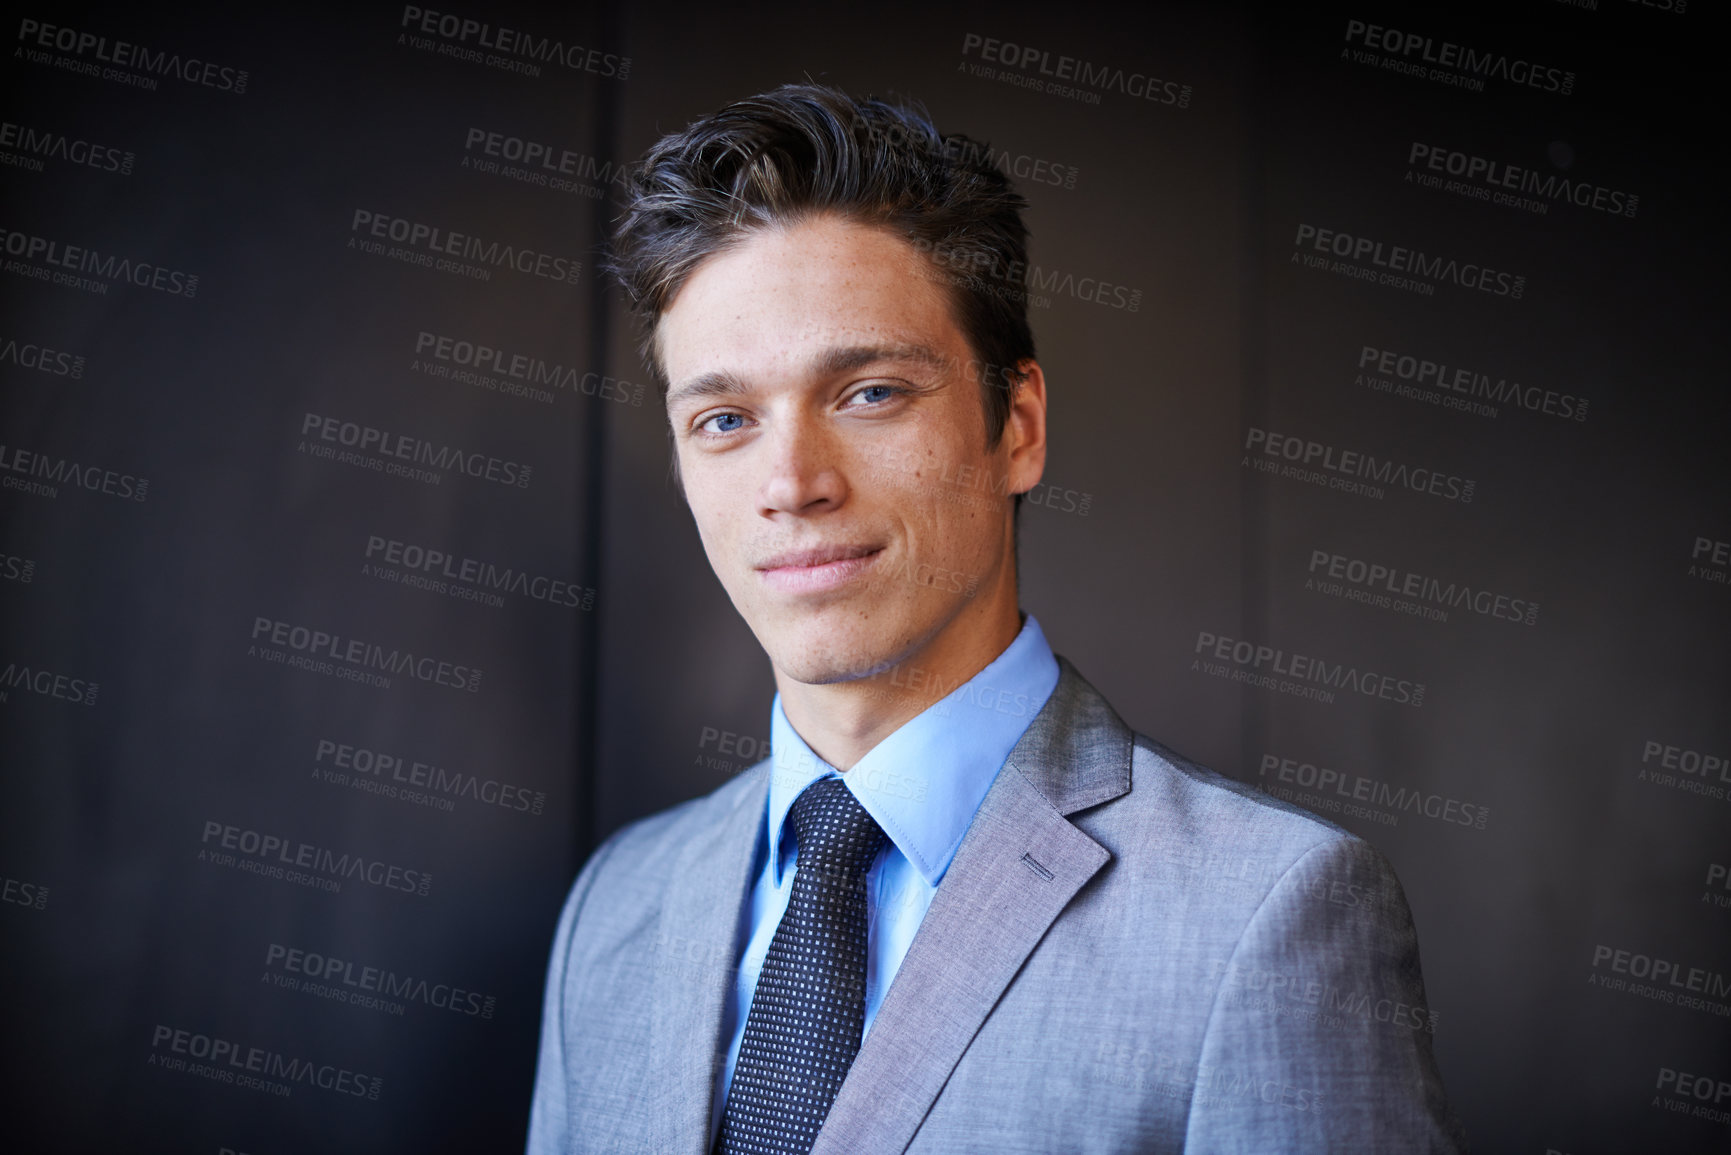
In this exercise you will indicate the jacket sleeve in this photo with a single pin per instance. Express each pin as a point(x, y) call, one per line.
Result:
point(549, 1115)
point(1319, 1038)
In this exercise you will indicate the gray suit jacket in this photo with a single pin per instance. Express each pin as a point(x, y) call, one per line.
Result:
point(1128, 953)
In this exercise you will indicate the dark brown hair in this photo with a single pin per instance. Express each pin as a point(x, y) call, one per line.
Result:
point(806, 149)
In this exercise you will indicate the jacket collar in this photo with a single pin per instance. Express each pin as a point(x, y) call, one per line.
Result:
point(1019, 865)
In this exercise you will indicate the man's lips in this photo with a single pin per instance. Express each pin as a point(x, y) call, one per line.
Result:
point(822, 568)
point(821, 555)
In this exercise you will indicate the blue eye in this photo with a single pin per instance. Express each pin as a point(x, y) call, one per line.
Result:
point(876, 393)
point(725, 422)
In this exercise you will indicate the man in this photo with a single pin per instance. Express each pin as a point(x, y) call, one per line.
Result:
point(962, 908)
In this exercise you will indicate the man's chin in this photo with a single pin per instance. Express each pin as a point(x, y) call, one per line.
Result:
point(825, 658)
point(832, 669)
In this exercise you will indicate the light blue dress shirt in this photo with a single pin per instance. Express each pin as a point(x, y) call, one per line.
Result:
point(922, 784)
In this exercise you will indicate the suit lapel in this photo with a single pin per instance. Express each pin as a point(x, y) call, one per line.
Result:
point(697, 947)
point(1019, 865)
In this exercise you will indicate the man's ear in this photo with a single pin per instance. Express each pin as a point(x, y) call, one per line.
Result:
point(1025, 427)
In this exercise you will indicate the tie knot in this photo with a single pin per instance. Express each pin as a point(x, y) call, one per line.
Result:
point(833, 829)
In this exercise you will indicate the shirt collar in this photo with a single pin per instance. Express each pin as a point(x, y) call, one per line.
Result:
point(924, 782)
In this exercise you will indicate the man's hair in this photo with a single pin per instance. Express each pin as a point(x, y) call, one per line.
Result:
point(804, 150)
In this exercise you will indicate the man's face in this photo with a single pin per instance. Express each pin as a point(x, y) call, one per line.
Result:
point(832, 443)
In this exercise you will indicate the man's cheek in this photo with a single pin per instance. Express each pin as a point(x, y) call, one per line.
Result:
point(724, 556)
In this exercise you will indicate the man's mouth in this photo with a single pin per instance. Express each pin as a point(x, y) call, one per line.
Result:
point(817, 569)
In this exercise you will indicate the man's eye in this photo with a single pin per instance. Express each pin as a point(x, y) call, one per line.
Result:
point(722, 423)
point(874, 394)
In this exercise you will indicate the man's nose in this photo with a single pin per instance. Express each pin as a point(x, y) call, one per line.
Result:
point(803, 470)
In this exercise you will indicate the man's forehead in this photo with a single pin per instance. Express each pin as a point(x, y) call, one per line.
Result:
point(815, 273)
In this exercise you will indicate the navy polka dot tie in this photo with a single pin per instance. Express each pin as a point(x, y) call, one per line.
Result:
point(809, 1010)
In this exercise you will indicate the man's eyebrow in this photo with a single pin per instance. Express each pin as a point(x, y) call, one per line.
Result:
point(829, 363)
point(845, 359)
point(719, 383)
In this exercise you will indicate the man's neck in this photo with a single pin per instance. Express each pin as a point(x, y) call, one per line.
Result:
point(842, 721)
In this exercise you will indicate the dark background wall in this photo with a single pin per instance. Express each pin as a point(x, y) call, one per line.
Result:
point(224, 841)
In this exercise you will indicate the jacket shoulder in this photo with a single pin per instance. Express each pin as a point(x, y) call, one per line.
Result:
point(1183, 821)
point(648, 844)
point(1194, 794)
